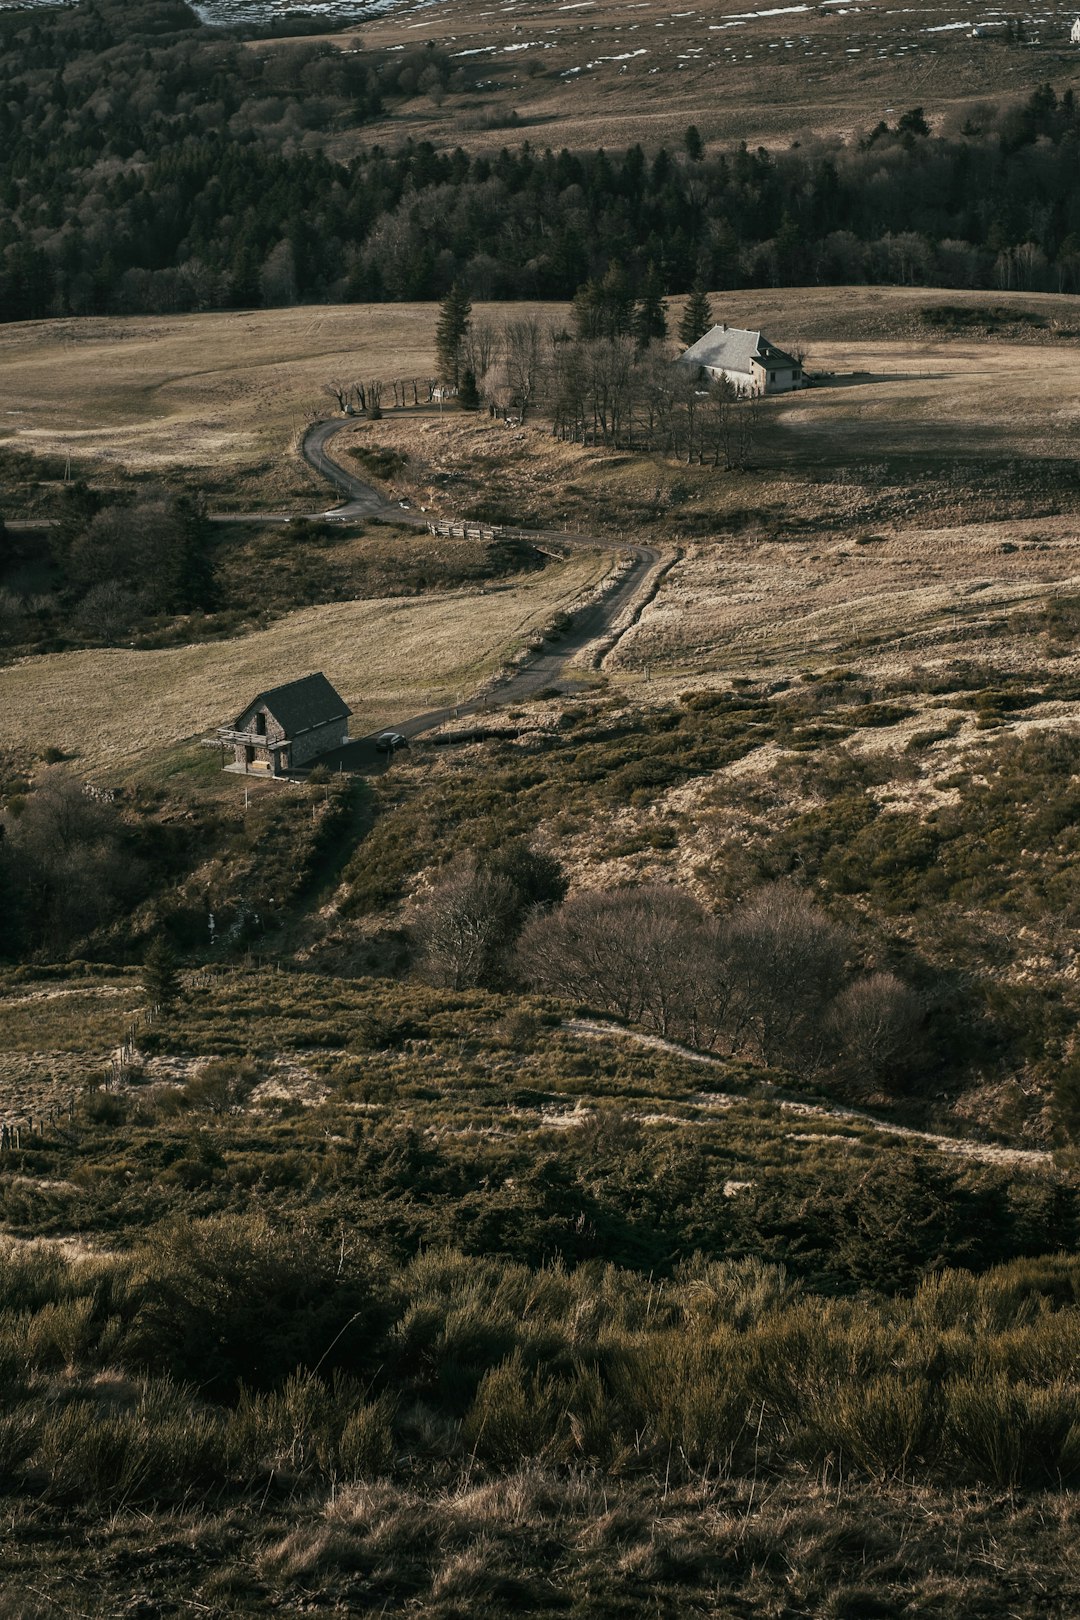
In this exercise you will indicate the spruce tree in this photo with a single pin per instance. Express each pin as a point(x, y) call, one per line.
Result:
point(695, 146)
point(650, 316)
point(468, 393)
point(160, 979)
point(696, 317)
point(453, 323)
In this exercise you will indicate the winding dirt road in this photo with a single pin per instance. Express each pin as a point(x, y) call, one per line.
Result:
point(598, 622)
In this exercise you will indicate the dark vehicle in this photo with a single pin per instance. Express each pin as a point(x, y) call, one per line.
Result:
point(388, 742)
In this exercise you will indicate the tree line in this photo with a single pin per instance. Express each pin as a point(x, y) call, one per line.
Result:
point(771, 979)
point(148, 164)
point(610, 382)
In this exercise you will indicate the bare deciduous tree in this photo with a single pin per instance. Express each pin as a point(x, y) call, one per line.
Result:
point(877, 1020)
point(462, 931)
point(522, 351)
point(339, 391)
point(787, 957)
point(481, 348)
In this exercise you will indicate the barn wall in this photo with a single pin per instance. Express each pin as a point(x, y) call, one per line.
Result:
point(320, 740)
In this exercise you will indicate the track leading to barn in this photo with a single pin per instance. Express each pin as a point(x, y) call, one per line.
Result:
point(598, 622)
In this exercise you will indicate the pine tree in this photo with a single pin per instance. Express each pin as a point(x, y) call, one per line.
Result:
point(453, 323)
point(650, 316)
point(468, 393)
point(587, 311)
point(695, 146)
point(696, 317)
point(160, 979)
point(617, 301)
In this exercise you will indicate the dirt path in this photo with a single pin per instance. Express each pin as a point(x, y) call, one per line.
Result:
point(603, 621)
point(984, 1152)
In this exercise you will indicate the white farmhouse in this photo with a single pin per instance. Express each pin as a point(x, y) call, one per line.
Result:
point(1075, 35)
point(746, 359)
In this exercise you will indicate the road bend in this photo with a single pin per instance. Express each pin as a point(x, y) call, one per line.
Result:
point(597, 622)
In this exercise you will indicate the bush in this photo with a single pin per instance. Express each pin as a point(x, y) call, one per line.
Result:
point(231, 1300)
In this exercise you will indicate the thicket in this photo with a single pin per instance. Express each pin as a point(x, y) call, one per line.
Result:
point(149, 164)
point(318, 1364)
point(145, 568)
point(84, 868)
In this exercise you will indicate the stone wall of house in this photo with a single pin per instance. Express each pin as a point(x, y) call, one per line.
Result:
point(320, 740)
point(273, 733)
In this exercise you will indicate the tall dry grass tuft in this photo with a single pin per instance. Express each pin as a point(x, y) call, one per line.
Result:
point(1009, 1434)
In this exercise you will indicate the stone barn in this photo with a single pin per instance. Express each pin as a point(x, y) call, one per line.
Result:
point(747, 359)
point(287, 727)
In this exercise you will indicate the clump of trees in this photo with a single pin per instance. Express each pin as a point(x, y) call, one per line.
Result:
point(769, 980)
point(466, 930)
point(65, 865)
point(612, 384)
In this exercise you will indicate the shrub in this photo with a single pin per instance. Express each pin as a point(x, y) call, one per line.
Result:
point(1010, 1433)
point(231, 1300)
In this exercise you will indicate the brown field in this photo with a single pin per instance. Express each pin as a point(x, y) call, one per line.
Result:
point(227, 396)
point(112, 708)
point(224, 395)
point(873, 521)
point(909, 597)
point(604, 73)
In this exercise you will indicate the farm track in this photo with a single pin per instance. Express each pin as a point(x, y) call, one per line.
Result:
point(962, 1146)
point(602, 621)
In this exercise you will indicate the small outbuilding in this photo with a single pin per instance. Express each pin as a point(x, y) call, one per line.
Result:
point(1074, 35)
point(287, 727)
point(746, 359)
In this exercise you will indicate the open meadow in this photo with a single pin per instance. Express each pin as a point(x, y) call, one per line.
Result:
point(597, 73)
point(219, 400)
point(906, 505)
point(114, 708)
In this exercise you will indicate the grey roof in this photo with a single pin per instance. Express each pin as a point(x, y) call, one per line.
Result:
point(301, 705)
point(731, 348)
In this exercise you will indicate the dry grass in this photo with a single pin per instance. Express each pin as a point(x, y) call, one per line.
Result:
point(227, 395)
point(224, 395)
point(389, 658)
point(597, 72)
point(912, 595)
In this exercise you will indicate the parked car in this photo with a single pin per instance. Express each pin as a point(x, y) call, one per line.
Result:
point(388, 742)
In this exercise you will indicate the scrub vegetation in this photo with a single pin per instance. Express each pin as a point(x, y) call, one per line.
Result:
point(619, 1154)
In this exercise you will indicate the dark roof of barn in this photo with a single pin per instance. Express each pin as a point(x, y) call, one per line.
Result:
point(301, 705)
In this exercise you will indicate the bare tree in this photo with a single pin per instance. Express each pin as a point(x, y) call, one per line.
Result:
point(340, 392)
point(481, 348)
point(631, 952)
point(463, 929)
point(787, 960)
point(522, 351)
point(877, 1021)
point(71, 865)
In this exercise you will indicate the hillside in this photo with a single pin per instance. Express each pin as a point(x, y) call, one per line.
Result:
point(618, 1155)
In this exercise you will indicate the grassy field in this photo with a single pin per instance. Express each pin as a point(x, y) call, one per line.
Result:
point(599, 73)
point(389, 658)
point(914, 439)
point(222, 399)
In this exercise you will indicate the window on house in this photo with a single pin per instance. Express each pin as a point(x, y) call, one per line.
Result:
point(260, 725)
